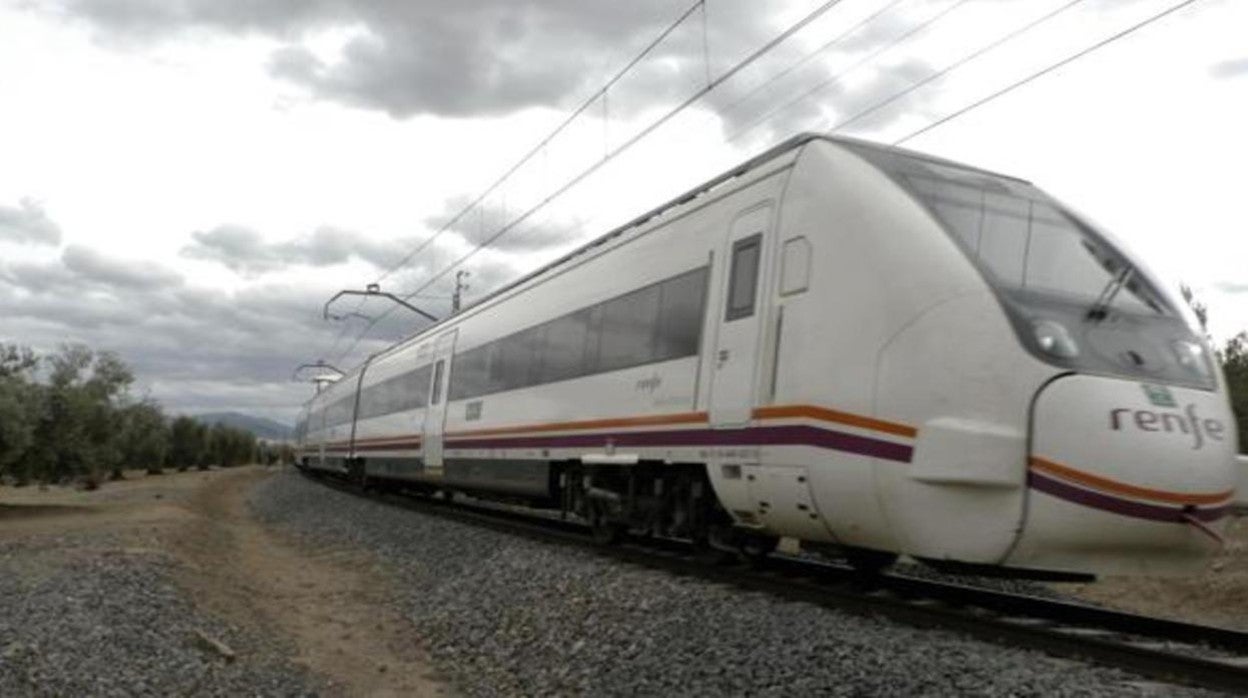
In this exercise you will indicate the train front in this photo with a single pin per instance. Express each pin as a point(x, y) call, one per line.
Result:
point(1131, 458)
point(1131, 465)
point(1129, 438)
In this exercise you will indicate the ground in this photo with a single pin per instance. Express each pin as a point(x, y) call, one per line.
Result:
point(319, 608)
point(146, 586)
point(1217, 596)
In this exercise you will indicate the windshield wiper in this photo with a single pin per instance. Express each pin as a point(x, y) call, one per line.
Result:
point(1100, 309)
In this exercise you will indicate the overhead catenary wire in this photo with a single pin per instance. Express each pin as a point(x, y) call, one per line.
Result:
point(536, 149)
point(891, 99)
point(983, 50)
point(612, 154)
point(824, 84)
point(529, 155)
point(1046, 70)
point(773, 79)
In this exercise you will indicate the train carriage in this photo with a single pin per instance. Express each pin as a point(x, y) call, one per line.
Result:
point(861, 347)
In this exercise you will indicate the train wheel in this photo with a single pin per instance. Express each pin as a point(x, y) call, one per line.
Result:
point(755, 548)
point(605, 531)
point(708, 554)
point(867, 561)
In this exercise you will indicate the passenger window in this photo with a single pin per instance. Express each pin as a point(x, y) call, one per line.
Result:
point(437, 382)
point(680, 315)
point(471, 377)
point(743, 278)
point(565, 347)
point(628, 325)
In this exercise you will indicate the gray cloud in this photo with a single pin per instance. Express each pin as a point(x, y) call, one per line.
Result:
point(28, 222)
point(496, 57)
point(438, 56)
point(1233, 68)
point(95, 267)
point(245, 251)
point(524, 238)
point(154, 19)
point(1231, 286)
point(196, 348)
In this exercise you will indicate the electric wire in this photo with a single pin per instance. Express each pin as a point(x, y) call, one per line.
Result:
point(874, 107)
point(611, 155)
point(585, 105)
point(955, 65)
point(528, 156)
point(772, 80)
point(824, 84)
point(1045, 71)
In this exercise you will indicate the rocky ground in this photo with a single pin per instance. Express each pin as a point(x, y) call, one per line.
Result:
point(260, 582)
point(166, 586)
point(501, 615)
point(83, 615)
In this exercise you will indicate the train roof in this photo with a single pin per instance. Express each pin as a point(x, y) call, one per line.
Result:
point(790, 144)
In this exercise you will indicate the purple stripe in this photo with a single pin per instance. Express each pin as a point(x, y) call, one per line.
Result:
point(1118, 505)
point(395, 446)
point(789, 435)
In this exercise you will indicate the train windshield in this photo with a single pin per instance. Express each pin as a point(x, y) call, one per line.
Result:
point(1025, 242)
point(1058, 278)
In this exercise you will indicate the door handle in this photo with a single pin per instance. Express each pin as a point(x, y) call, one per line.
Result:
point(722, 357)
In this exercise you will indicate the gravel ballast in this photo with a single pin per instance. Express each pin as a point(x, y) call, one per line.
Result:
point(83, 615)
point(504, 615)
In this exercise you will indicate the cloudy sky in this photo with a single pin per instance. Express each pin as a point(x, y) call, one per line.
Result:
point(186, 182)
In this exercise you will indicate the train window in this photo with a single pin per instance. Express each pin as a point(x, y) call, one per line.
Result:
point(518, 355)
point(681, 306)
point(743, 278)
point(659, 322)
point(419, 387)
point(1006, 226)
point(564, 355)
point(436, 392)
point(340, 411)
point(960, 206)
point(471, 376)
point(593, 339)
point(628, 325)
point(406, 391)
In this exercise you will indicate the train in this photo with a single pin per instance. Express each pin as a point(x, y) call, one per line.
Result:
point(873, 351)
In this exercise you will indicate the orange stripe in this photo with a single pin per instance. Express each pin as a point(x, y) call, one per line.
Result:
point(781, 412)
point(652, 420)
point(827, 415)
point(374, 441)
point(386, 439)
point(1123, 488)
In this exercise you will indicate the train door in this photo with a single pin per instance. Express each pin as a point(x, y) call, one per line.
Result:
point(435, 413)
point(735, 357)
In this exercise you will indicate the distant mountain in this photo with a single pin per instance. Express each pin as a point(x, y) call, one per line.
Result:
point(266, 429)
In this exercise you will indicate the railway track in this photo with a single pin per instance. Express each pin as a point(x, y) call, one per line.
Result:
point(1156, 648)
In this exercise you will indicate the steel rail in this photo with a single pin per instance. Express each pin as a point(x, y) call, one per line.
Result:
point(1157, 648)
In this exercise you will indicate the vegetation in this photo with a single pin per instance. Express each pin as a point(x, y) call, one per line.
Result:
point(70, 416)
point(1234, 358)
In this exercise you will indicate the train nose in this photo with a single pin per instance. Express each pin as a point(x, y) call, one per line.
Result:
point(1125, 477)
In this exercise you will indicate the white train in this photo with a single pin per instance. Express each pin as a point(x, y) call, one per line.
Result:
point(853, 345)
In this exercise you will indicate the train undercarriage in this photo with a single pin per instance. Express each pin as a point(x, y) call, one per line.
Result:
point(650, 500)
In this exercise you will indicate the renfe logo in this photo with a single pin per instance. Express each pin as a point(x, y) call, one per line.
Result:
point(1185, 422)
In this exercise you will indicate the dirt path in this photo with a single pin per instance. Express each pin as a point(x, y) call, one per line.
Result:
point(330, 607)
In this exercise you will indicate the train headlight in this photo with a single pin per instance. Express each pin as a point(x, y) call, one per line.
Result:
point(1053, 338)
point(1191, 356)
